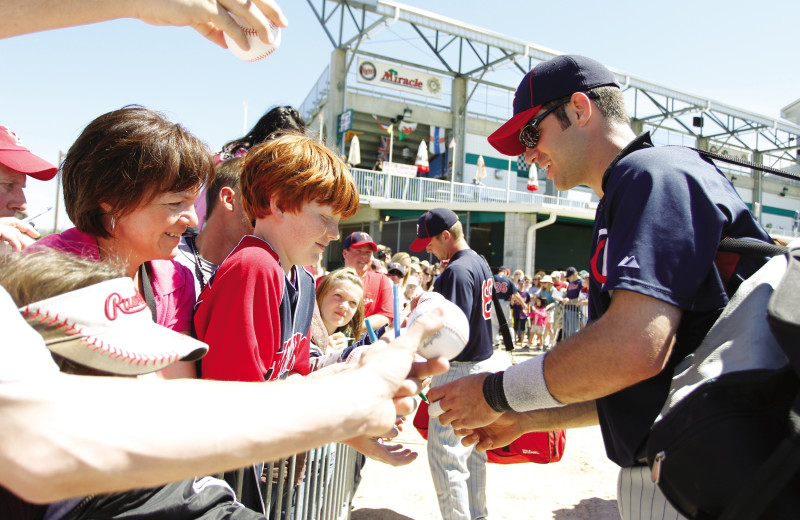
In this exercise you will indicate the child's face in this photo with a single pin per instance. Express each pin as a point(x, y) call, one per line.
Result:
point(339, 304)
point(313, 227)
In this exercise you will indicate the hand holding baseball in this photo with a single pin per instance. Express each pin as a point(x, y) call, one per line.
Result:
point(214, 19)
point(452, 338)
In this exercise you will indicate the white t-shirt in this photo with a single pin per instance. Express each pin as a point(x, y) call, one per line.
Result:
point(22, 350)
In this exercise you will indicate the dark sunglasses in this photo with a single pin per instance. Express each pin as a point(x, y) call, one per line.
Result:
point(529, 135)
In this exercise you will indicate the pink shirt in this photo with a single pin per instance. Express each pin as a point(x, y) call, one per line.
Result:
point(539, 315)
point(173, 284)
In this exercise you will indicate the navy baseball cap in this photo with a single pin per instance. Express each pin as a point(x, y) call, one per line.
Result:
point(571, 271)
point(553, 79)
point(430, 224)
point(358, 239)
point(396, 267)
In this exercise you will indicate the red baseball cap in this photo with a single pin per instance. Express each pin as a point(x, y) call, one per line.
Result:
point(553, 79)
point(358, 239)
point(15, 156)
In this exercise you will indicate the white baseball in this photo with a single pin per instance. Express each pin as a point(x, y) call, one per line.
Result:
point(451, 339)
point(435, 409)
point(258, 49)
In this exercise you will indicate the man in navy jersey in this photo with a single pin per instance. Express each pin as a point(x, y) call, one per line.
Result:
point(654, 290)
point(458, 471)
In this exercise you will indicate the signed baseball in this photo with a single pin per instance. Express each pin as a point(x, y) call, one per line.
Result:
point(451, 339)
point(258, 49)
point(435, 409)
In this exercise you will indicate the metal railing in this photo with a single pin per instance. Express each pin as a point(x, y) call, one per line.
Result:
point(400, 188)
point(325, 490)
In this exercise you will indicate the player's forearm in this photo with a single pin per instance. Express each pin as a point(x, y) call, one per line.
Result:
point(630, 343)
point(67, 436)
point(26, 16)
point(578, 415)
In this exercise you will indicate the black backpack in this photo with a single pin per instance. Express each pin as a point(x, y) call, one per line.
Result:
point(727, 442)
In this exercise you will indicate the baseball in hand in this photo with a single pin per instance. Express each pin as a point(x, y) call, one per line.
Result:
point(451, 339)
point(258, 49)
point(435, 409)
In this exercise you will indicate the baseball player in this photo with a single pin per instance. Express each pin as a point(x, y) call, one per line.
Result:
point(654, 290)
point(467, 282)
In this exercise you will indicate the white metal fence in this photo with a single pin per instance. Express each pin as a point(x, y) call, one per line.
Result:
point(380, 185)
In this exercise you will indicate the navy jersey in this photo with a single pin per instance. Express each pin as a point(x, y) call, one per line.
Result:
point(467, 282)
point(657, 229)
point(504, 287)
point(573, 291)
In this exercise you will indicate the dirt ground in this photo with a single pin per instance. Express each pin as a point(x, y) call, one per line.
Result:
point(581, 486)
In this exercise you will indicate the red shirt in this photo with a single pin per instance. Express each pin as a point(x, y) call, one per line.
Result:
point(377, 294)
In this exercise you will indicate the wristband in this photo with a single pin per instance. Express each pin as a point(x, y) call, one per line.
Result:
point(494, 394)
point(525, 389)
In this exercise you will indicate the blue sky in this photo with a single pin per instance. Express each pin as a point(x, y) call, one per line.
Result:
point(55, 82)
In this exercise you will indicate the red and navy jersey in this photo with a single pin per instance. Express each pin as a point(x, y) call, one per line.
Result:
point(504, 287)
point(255, 321)
point(657, 229)
point(468, 283)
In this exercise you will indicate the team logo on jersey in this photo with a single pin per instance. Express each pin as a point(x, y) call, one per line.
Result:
point(598, 262)
point(284, 358)
point(486, 293)
point(629, 261)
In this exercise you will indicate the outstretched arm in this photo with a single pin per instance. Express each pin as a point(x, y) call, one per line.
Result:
point(66, 435)
point(630, 343)
point(511, 425)
point(208, 17)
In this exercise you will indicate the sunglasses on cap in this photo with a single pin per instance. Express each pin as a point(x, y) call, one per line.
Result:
point(529, 135)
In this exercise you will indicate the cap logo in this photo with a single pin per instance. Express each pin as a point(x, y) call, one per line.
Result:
point(116, 303)
point(417, 229)
point(13, 136)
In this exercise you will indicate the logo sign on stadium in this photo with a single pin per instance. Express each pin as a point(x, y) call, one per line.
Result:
point(392, 76)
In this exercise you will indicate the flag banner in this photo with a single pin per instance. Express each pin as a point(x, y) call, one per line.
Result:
point(522, 166)
point(385, 128)
point(437, 140)
point(383, 149)
point(404, 128)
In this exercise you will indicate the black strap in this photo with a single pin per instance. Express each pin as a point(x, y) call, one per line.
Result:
point(147, 288)
point(741, 162)
point(747, 247)
point(508, 340)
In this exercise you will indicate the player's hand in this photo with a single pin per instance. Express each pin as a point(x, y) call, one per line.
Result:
point(16, 233)
point(210, 17)
point(463, 402)
point(502, 432)
point(374, 448)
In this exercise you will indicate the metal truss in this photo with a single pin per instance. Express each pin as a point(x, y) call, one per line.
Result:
point(442, 45)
